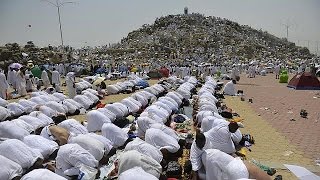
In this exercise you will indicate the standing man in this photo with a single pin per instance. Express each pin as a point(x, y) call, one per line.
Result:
point(277, 71)
point(3, 86)
point(45, 78)
point(56, 80)
point(70, 81)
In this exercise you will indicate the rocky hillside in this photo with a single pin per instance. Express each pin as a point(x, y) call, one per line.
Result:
point(204, 39)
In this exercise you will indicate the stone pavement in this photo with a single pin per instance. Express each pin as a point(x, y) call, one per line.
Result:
point(279, 140)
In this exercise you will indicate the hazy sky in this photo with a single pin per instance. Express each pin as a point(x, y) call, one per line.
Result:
point(99, 22)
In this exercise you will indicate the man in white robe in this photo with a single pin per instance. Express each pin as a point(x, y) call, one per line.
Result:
point(3, 86)
point(14, 130)
point(277, 71)
point(71, 157)
point(20, 153)
point(45, 79)
point(107, 113)
point(145, 148)
point(9, 169)
point(161, 140)
point(73, 126)
point(92, 145)
point(229, 88)
point(16, 109)
point(95, 120)
point(131, 159)
point(70, 81)
point(4, 113)
point(136, 173)
point(40, 174)
point(116, 135)
point(86, 102)
point(56, 80)
point(45, 146)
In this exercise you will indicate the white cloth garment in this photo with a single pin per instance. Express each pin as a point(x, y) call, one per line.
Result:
point(56, 80)
point(95, 120)
point(45, 146)
point(229, 89)
point(144, 148)
point(38, 114)
point(195, 157)
point(166, 130)
point(16, 109)
point(84, 101)
point(73, 126)
point(161, 140)
point(73, 102)
point(4, 85)
point(202, 114)
point(115, 134)
point(48, 111)
point(221, 166)
point(21, 84)
point(10, 130)
point(9, 169)
point(45, 79)
point(136, 173)
point(70, 107)
point(23, 124)
point(28, 105)
point(144, 123)
point(92, 145)
point(33, 121)
point(3, 102)
point(219, 137)
point(106, 142)
point(133, 158)
point(40, 174)
point(91, 96)
point(71, 157)
point(107, 113)
point(210, 122)
point(60, 108)
point(60, 96)
point(19, 152)
point(4, 113)
point(70, 81)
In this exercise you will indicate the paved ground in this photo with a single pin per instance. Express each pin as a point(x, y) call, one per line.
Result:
point(280, 140)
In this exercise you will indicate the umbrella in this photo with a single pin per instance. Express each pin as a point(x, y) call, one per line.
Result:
point(98, 81)
point(15, 65)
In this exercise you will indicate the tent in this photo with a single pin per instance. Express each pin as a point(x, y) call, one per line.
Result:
point(304, 81)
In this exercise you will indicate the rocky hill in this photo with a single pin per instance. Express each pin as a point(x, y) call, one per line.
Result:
point(204, 39)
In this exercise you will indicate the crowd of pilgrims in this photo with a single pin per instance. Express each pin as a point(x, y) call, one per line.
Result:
point(38, 140)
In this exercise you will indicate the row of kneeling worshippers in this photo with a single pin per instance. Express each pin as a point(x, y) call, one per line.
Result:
point(55, 105)
point(213, 152)
point(73, 145)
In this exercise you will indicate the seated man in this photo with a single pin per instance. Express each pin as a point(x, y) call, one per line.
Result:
point(38, 174)
point(9, 169)
point(168, 145)
point(45, 146)
point(71, 157)
point(229, 88)
point(145, 148)
point(15, 150)
point(95, 120)
point(116, 135)
point(131, 159)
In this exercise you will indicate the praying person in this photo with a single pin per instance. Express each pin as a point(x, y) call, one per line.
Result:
point(4, 85)
point(229, 88)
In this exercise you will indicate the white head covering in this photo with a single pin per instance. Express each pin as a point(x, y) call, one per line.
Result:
point(136, 173)
point(40, 174)
point(19, 152)
point(9, 169)
point(115, 134)
point(95, 120)
point(236, 169)
point(133, 158)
